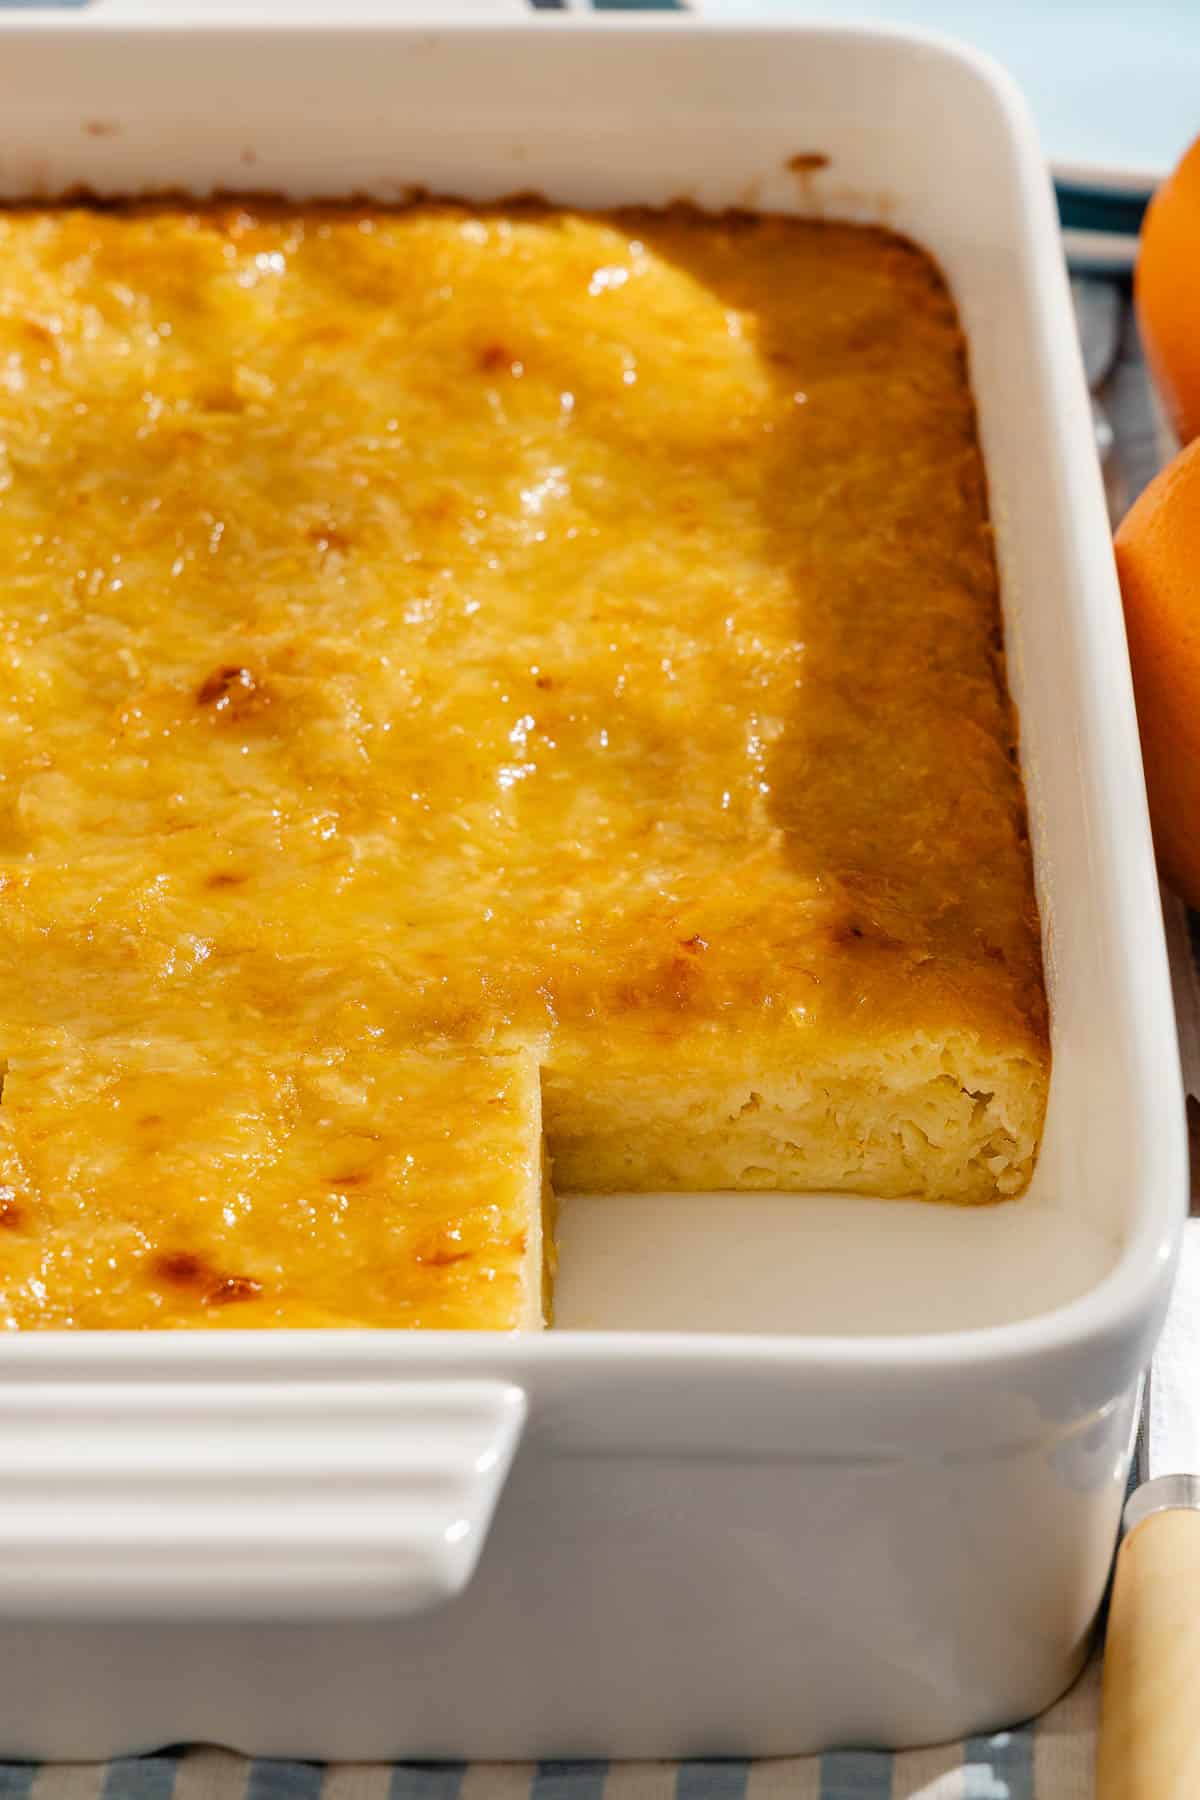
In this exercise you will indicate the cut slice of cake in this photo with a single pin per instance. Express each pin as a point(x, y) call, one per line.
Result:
point(160, 1184)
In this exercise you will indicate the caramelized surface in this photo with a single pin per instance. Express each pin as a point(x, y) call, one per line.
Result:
point(430, 634)
point(157, 1183)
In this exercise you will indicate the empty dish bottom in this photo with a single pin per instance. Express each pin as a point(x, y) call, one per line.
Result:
point(823, 1263)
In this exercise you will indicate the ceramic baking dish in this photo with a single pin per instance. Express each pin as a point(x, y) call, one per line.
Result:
point(878, 1504)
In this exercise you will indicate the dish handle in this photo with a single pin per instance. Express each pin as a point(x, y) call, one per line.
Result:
point(247, 1500)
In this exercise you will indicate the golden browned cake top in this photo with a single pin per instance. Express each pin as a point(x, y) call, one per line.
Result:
point(215, 1184)
point(435, 631)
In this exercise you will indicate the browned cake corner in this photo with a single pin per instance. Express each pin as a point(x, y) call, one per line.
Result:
point(443, 640)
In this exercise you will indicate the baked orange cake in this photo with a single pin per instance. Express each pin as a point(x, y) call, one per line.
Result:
point(465, 672)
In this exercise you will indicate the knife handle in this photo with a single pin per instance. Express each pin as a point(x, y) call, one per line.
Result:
point(1149, 1745)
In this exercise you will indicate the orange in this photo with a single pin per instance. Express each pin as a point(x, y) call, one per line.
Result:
point(1167, 291)
point(1158, 557)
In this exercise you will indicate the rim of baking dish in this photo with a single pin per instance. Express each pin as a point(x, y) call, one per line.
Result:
point(1121, 1314)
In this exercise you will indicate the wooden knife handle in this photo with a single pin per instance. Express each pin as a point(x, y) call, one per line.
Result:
point(1150, 1693)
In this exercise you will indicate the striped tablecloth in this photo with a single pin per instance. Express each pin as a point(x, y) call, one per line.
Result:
point(1051, 1760)
point(1047, 1759)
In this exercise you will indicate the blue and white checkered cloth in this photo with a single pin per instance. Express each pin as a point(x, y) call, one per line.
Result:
point(1051, 1760)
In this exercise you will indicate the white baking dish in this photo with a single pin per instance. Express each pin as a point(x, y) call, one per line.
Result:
point(615, 1542)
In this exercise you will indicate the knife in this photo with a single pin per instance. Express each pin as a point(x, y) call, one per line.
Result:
point(1100, 311)
point(1149, 1745)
